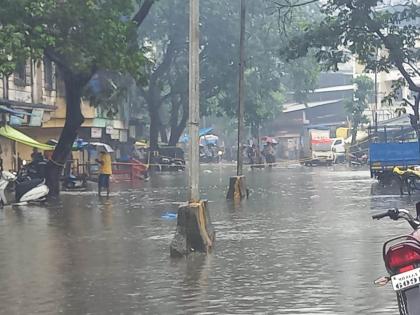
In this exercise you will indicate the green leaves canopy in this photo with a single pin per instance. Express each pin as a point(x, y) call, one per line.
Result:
point(79, 35)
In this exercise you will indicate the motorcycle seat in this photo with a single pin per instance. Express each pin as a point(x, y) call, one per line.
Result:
point(24, 187)
point(398, 171)
point(415, 172)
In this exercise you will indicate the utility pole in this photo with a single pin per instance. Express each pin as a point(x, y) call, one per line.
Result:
point(239, 168)
point(237, 185)
point(375, 114)
point(194, 232)
point(194, 98)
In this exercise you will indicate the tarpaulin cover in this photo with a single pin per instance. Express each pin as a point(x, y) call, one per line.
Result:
point(15, 135)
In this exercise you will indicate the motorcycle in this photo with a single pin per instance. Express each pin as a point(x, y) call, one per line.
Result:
point(358, 159)
point(75, 182)
point(409, 178)
point(26, 189)
point(401, 256)
point(167, 163)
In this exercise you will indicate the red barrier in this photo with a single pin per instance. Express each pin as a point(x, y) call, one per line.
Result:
point(129, 171)
point(132, 170)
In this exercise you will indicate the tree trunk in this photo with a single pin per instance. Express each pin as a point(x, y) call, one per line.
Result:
point(255, 127)
point(178, 127)
point(163, 135)
point(353, 135)
point(176, 133)
point(74, 119)
point(174, 120)
point(154, 128)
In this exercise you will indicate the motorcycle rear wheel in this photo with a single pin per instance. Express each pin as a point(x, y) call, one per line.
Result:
point(402, 304)
point(412, 184)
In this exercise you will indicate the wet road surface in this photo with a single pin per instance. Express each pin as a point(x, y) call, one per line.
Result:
point(304, 243)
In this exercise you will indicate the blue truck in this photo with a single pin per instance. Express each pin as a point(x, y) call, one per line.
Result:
point(383, 157)
point(392, 146)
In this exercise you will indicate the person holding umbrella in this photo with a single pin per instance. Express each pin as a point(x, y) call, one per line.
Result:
point(105, 171)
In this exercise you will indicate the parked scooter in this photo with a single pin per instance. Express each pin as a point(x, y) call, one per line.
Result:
point(409, 178)
point(75, 182)
point(402, 261)
point(26, 189)
point(167, 163)
point(358, 159)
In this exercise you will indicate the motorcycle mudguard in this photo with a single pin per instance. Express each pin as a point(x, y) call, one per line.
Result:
point(412, 298)
point(35, 193)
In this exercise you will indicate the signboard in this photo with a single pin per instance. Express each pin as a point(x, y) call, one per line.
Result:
point(36, 117)
point(115, 135)
point(109, 130)
point(123, 135)
point(96, 133)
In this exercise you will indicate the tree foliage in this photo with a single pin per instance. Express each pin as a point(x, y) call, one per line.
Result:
point(359, 104)
point(361, 28)
point(81, 37)
point(267, 76)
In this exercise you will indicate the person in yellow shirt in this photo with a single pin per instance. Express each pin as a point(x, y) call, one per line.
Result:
point(105, 171)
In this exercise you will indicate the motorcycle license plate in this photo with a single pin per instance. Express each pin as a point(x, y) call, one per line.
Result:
point(406, 280)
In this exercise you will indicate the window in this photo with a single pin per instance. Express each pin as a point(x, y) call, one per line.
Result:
point(22, 76)
point(48, 74)
point(61, 91)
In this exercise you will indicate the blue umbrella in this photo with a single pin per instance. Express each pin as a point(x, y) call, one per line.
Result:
point(203, 132)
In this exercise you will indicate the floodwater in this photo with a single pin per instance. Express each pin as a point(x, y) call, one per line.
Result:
point(304, 243)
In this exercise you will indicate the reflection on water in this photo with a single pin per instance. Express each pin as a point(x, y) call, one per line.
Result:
point(303, 243)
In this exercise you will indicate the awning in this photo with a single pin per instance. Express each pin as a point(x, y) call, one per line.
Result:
point(5, 109)
point(17, 104)
point(15, 135)
point(78, 144)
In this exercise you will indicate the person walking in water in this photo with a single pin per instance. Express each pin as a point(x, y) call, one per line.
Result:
point(105, 171)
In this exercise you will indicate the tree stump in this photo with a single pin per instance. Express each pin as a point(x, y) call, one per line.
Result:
point(194, 231)
point(237, 188)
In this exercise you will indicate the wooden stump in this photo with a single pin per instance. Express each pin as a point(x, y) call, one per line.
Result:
point(194, 232)
point(237, 188)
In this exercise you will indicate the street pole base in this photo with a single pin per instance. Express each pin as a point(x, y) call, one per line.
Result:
point(194, 231)
point(237, 188)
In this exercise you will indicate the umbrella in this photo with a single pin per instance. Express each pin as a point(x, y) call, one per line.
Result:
point(102, 146)
point(269, 140)
point(142, 144)
point(184, 138)
point(203, 132)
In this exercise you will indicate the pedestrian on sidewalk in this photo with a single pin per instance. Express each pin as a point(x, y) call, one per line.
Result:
point(105, 171)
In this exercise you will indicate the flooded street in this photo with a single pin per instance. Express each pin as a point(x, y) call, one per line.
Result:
point(304, 243)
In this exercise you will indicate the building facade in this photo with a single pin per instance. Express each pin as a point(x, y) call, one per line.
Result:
point(32, 100)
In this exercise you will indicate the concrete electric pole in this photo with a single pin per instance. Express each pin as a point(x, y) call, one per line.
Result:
point(194, 231)
point(239, 168)
point(194, 99)
point(237, 185)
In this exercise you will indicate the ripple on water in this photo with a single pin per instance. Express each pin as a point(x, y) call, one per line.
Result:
point(303, 243)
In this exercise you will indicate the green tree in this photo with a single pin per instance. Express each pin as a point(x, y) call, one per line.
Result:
point(267, 76)
point(81, 37)
point(360, 102)
point(360, 28)
point(165, 32)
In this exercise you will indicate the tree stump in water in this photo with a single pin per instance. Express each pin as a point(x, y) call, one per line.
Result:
point(237, 188)
point(194, 231)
